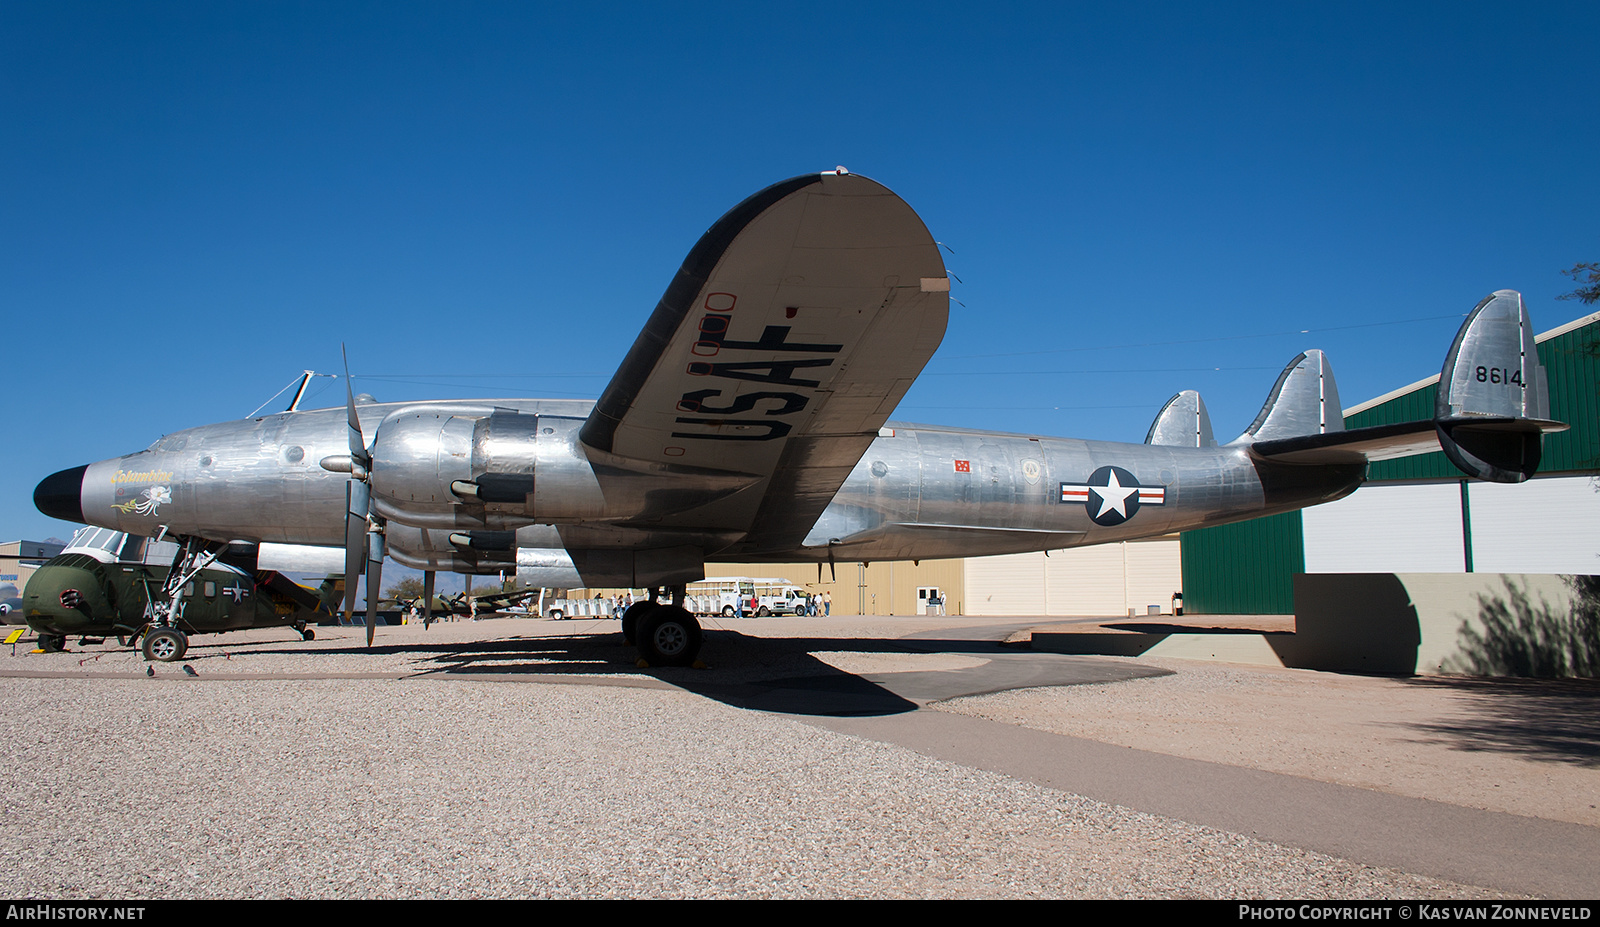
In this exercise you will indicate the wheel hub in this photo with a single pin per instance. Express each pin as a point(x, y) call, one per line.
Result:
point(670, 639)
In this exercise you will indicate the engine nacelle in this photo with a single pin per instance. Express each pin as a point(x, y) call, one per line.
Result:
point(533, 552)
point(439, 469)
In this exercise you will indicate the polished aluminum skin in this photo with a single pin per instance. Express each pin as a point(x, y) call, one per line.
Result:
point(748, 423)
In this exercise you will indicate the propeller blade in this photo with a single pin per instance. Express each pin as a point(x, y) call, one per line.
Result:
point(374, 580)
point(358, 444)
point(357, 495)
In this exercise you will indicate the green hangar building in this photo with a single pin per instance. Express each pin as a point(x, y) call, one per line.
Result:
point(1418, 515)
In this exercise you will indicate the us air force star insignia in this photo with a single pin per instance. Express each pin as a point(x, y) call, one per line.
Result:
point(1112, 495)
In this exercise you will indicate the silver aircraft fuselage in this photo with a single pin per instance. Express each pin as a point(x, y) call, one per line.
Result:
point(919, 492)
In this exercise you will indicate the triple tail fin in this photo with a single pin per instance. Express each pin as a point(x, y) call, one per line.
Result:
point(1304, 401)
point(1493, 404)
point(1182, 422)
point(1490, 418)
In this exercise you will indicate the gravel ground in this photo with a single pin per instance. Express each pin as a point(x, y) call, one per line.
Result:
point(1528, 747)
point(445, 786)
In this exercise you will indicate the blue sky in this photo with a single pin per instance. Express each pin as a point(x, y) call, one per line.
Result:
point(487, 199)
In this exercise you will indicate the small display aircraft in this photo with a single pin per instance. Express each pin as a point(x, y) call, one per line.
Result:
point(748, 423)
point(110, 583)
point(10, 604)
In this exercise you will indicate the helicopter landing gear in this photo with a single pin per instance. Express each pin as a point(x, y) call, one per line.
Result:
point(165, 644)
point(163, 641)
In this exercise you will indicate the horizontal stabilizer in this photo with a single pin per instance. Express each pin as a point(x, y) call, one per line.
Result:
point(1182, 422)
point(1304, 401)
point(1491, 415)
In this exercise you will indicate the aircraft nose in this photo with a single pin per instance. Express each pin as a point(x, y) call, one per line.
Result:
point(60, 495)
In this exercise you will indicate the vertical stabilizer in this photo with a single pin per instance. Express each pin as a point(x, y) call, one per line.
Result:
point(1182, 422)
point(1304, 401)
point(1493, 400)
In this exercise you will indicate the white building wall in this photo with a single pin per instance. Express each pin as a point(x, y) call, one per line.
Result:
point(1010, 584)
point(1541, 526)
point(1104, 580)
point(1549, 525)
point(1387, 528)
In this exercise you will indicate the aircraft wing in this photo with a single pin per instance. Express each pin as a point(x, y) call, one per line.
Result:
point(786, 340)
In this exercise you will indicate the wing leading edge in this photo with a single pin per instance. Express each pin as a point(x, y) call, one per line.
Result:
point(783, 344)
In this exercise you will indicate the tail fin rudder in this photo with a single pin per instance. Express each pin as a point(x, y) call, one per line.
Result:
point(1304, 401)
point(1182, 422)
point(1490, 417)
point(1493, 403)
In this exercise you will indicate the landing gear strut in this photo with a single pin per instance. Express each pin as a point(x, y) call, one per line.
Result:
point(666, 635)
point(164, 641)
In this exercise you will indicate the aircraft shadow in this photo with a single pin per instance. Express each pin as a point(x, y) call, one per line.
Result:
point(781, 675)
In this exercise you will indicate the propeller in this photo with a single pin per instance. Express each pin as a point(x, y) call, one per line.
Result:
point(363, 533)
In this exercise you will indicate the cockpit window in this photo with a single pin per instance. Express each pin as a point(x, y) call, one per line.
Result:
point(169, 443)
point(100, 543)
point(132, 549)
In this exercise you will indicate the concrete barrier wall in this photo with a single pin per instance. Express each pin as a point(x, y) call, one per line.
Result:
point(1486, 624)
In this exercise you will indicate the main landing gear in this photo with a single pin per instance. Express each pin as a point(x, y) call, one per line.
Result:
point(666, 635)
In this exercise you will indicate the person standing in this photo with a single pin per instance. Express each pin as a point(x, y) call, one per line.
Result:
point(827, 603)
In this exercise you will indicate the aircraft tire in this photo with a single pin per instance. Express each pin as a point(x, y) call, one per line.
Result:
point(631, 616)
point(669, 636)
point(308, 635)
point(165, 645)
point(52, 643)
